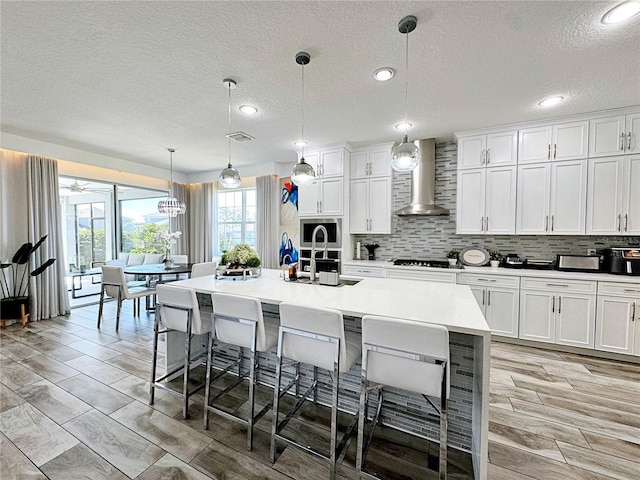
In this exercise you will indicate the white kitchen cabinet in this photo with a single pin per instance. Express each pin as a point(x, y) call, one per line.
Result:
point(325, 195)
point(552, 198)
point(561, 312)
point(498, 298)
point(613, 196)
point(363, 270)
point(418, 273)
point(618, 318)
point(486, 200)
point(614, 135)
point(370, 193)
point(556, 142)
point(491, 150)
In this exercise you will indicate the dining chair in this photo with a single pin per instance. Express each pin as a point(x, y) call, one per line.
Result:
point(406, 355)
point(115, 285)
point(203, 269)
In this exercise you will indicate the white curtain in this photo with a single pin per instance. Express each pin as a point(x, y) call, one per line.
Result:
point(180, 222)
point(49, 297)
point(200, 215)
point(268, 199)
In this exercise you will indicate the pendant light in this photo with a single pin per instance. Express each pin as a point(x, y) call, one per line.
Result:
point(171, 206)
point(229, 177)
point(405, 155)
point(302, 173)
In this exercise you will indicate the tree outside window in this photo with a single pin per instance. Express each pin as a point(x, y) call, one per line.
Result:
point(236, 218)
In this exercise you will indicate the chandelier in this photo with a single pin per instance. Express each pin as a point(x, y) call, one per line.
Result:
point(171, 206)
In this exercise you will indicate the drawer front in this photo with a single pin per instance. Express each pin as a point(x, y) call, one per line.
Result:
point(559, 285)
point(622, 289)
point(410, 274)
point(489, 280)
point(363, 271)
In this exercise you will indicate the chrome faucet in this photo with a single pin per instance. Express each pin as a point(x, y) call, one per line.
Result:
point(312, 271)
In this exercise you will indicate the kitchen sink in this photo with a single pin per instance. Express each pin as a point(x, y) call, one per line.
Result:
point(342, 283)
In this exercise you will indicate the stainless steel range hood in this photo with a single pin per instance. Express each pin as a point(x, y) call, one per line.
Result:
point(423, 183)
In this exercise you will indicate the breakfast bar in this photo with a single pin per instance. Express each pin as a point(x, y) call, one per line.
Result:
point(452, 306)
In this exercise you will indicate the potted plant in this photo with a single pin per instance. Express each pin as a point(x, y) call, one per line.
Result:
point(168, 239)
point(452, 256)
point(495, 258)
point(242, 259)
point(14, 303)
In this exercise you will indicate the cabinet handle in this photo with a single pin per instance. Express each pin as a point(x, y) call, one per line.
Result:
point(483, 156)
point(626, 222)
point(557, 285)
point(482, 224)
point(633, 312)
point(552, 221)
point(483, 292)
point(619, 221)
point(629, 141)
point(553, 304)
point(631, 290)
point(488, 298)
point(622, 142)
point(555, 150)
point(487, 223)
point(488, 155)
point(486, 280)
point(548, 151)
point(559, 304)
point(546, 223)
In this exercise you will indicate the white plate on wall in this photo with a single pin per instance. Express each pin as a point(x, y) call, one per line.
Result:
point(474, 256)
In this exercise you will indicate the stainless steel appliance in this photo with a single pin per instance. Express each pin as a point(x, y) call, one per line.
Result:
point(334, 232)
point(424, 263)
point(622, 260)
point(578, 263)
point(512, 260)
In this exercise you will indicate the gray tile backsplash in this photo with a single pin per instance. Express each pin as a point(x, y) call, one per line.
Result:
point(431, 237)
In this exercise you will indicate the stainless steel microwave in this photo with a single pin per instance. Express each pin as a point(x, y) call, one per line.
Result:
point(334, 231)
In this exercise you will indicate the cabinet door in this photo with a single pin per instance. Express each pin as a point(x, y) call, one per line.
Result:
point(480, 294)
point(575, 319)
point(568, 197)
point(614, 324)
point(358, 206)
point(380, 162)
point(308, 201)
point(313, 159)
point(502, 148)
point(330, 196)
point(380, 205)
point(533, 198)
point(633, 134)
point(470, 203)
point(630, 218)
point(604, 196)
point(500, 200)
point(502, 311)
point(534, 145)
point(537, 316)
point(606, 136)
point(472, 151)
point(332, 162)
point(570, 141)
point(359, 164)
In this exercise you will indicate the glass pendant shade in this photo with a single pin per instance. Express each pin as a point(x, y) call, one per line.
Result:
point(302, 173)
point(171, 206)
point(230, 177)
point(405, 155)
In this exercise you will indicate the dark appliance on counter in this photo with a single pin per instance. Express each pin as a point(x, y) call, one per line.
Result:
point(423, 263)
point(512, 260)
point(622, 260)
point(579, 263)
point(371, 248)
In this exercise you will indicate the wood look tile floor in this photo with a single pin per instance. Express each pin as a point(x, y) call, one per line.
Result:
point(74, 404)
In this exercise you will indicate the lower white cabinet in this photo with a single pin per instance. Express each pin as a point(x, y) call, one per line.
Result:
point(498, 298)
point(421, 274)
point(618, 318)
point(363, 270)
point(561, 312)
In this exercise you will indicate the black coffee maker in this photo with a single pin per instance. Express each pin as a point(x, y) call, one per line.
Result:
point(371, 248)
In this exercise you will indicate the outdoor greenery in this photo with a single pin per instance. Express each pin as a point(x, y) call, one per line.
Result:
point(145, 239)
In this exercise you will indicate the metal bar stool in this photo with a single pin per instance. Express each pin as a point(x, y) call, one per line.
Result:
point(238, 321)
point(177, 310)
point(314, 336)
point(408, 355)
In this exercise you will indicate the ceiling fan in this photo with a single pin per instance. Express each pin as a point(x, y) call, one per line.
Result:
point(76, 187)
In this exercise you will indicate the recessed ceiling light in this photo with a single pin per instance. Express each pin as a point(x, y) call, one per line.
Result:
point(248, 109)
point(551, 101)
point(404, 125)
point(384, 74)
point(300, 143)
point(621, 12)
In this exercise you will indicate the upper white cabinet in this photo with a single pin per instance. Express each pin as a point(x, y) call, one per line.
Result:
point(491, 150)
point(562, 141)
point(371, 190)
point(613, 196)
point(552, 198)
point(486, 200)
point(615, 135)
point(325, 195)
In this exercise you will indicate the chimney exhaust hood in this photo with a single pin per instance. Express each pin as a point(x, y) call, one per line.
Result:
point(423, 184)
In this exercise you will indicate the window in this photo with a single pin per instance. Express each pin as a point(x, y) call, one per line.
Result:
point(236, 218)
point(90, 234)
point(140, 223)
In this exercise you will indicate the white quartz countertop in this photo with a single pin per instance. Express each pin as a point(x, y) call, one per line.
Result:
point(516, 272)
point(453, 306)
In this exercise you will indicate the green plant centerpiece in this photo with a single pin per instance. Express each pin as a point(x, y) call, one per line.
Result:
point(241, 259)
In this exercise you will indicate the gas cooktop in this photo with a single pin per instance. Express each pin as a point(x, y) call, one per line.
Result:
point(421, 263)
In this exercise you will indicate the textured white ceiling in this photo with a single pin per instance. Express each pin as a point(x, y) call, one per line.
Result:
point(128, 79)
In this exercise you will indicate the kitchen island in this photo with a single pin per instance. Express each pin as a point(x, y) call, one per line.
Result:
point(453, 306)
